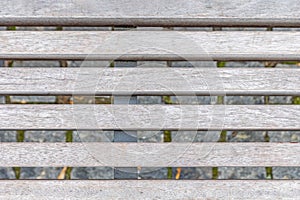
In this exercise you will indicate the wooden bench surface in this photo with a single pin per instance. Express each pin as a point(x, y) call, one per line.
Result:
point(150, 13)
point(89, 154)
point(138, 45)
point(154, 80)
point(117, 82)
point(143, 189)
point(150, 117)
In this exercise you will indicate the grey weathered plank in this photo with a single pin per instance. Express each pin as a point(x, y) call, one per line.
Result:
point(150, 117)
point(149, 81)
point(149, 154)
point(150, 45)
point(125, 136)
point(150, 189)
point(154, 13)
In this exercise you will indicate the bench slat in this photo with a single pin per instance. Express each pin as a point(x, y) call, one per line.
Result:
point(149, 81)
point(156, 189)
point(150, 45)
point(154, 13)
point(150, 117)
point(149, 154)
point(143, 189)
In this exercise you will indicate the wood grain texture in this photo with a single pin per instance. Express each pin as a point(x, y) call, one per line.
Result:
point(150, 189)
point(154, 13)
point(150, 117)
point(150, 45)
point(149, 81)
point(149, 154)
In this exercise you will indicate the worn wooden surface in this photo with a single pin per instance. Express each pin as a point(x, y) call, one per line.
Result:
point(150, 117)
point(149, 81)
point(125, 136)
point(151, 13)
point(149, 154)
point(150, 45)
point(151, 189)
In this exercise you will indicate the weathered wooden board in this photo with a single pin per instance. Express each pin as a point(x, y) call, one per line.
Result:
point(144, 189)
point(149, 81)
point(150, 13)
point(125, 136)
point(150, 45)
point(150, 117)
point(149, 154)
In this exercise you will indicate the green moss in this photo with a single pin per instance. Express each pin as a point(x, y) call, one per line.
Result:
point(221, 64)
point(68, 173)
point(269, 173)
point(215, 173)
point(269, 170)
point(223, 136)
point(59, 28)
point(267, 99)
point(167, 99)
point(17, 171)
point(220, 100)
point(10, 64)
point(296, 100)
point(167, 136)
point(112, 64)
point(290, 62)
point(20, 136)
point(267, 137)
point(7, 100)
point(69, 138)
point(11, 28)
point(170, 173)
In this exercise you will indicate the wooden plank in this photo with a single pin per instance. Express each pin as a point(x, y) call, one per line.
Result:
point(149, 81)
point(142, 189)
point(125, 136)
point(150, 45)
point(154, 13)
point(150, 117)
point(149, 154)
point(156, 189)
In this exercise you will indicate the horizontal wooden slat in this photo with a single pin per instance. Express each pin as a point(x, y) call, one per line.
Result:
point(150, 117)
point(154, 189)
point(154, 13)
point(150, 45)
point(149, 81)
point(149, 154)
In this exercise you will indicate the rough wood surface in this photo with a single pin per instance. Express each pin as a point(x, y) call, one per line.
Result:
point(149, 81)
point(150, 13)
point(150, 117)
point(150, 189)
point(150, 45)
point(149, 154)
